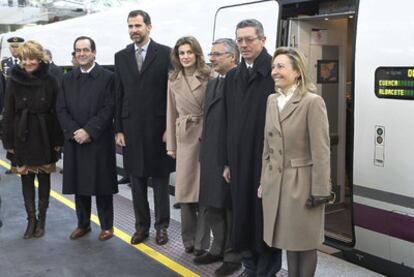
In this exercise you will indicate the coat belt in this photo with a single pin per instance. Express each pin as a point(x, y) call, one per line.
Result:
point(183, 122)
point(23, 131)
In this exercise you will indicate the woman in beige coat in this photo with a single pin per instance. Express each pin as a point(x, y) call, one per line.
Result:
point(296, 164)
point(186, 88)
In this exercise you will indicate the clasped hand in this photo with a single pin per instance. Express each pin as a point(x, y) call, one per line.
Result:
point(81, 136)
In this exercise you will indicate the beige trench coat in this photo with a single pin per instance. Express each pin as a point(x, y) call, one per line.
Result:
point(295, 165)
point(185, 104)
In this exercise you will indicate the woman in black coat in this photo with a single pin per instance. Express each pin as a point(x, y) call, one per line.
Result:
point(32, 135)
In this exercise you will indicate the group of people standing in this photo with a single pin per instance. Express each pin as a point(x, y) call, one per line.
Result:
point(252, 165)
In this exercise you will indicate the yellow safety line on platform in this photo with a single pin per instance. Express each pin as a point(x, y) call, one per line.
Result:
point(154, 254)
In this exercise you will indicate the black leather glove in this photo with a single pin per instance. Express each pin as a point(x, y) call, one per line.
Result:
point(315, 201)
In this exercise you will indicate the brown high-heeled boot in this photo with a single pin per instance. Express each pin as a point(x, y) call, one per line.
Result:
point(29, 203)
point(44, 192)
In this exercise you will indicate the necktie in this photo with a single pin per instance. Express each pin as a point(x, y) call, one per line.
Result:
point(219, 87)
point(16, 61)
point(249, 71)
point(139, 58)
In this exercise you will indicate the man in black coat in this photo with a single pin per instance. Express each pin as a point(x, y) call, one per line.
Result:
point(245, 95)
point(54, 70)
point(214, 191)
point(85, 110)
point(7, 64)
point(141, 75)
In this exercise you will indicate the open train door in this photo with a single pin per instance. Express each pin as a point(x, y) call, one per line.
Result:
point(383, 157)
point(267, 12)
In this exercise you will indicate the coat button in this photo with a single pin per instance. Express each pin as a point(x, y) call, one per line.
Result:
point(270, 167)
point(280, 170)
point(280, 152)
point(270, 134)
point(271, 150)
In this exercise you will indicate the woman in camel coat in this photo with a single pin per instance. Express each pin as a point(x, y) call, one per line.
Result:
point(296, 164)
point(186, 88)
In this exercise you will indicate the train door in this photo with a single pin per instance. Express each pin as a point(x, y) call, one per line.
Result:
point(267, 12)
point(326, 41)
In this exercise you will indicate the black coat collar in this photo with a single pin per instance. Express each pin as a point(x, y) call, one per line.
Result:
point(94, 73)
point(261, 65)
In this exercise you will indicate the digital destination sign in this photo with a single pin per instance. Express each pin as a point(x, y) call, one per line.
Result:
point(394, 82)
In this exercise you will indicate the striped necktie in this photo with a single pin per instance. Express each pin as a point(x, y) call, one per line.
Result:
point(139, 58)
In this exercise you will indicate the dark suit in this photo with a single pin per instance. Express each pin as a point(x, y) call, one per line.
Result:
point(214, 191)
point(141, 99)
point(245, 96)
point(56, 72)
point(6, 65)
point(87, 101)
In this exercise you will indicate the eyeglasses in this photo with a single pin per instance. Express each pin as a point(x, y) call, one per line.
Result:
point(217, 54)
point(247, 40)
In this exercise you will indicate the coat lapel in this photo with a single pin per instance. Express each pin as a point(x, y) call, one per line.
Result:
point(291, 105)
point(274, 112)
point(130, 59)
point(150, 56)
point(212, 97)
point(186, 86)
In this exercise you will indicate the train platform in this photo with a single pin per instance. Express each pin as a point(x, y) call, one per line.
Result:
point(56, 255)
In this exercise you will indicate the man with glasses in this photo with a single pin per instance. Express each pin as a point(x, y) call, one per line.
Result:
point(245, 95)
point(214, 191)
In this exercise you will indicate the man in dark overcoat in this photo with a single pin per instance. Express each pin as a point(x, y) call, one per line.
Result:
point(141, 75)
point(7, 64)
point(214, 191)
point(245, 96)
point(85, 110)
point(54, 70)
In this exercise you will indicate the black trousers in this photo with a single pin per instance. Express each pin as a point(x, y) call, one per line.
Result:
point(105, 207)
point(139, 189)
point(220, 220)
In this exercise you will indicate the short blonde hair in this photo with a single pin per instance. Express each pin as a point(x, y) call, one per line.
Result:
point(32, 50)
point(298, 62)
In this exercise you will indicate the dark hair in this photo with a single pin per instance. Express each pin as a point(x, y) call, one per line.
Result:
point(252, 23)
point(145, 16)
point(200, 64)
point(230, 46)
point(93, 46)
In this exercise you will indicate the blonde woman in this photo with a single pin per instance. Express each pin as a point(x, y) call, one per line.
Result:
point(296, 164)
point(186, 89)
point(32, 135)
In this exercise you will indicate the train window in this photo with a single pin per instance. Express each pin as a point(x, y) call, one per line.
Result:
point(394, 82)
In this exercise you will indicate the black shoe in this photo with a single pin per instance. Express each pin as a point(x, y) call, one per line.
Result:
point(245, 273)
point(227, 269)
point(207, 258)
point(189, 249)
point(124, 180)
point(199, 252)
point(177, 206)
point(139, 236)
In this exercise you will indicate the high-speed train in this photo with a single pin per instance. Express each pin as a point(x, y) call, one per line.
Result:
point(360, 53)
